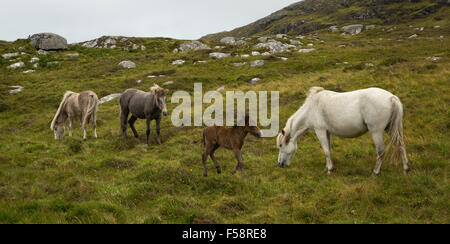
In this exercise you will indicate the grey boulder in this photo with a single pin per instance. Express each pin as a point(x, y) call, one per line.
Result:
point(352, 29)
point(48, 41)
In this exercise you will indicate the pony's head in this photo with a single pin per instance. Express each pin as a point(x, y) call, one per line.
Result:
point(58, 129)
point(287, 146)
point(160, 95)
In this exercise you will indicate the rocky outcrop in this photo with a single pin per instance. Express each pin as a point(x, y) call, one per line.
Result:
point(48, 41)
point(194, 45)
point(112, 42)
point(273, 46)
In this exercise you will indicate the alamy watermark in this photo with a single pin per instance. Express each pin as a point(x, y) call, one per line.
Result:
point(214, 114)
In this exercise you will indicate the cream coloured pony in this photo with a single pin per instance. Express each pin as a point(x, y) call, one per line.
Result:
point(82, 105)
point(348, 115)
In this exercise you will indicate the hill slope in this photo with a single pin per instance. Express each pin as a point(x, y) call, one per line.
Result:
point(312, 15)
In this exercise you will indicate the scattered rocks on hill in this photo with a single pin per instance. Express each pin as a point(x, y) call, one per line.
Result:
point(219, 55)
point(10, 55)
point(178, 62)
point(306, 50)
point(16, 65)
point(194, 45)
point(15, 89)
point(48, 41)
point(352, 29)
point(228, 40)
point(257, 63)
point(109, 98)
point(127, 64)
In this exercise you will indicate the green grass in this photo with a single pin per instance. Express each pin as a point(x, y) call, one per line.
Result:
point(111, 181)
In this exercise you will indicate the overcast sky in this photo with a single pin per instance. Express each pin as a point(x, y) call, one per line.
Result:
point(82, 20)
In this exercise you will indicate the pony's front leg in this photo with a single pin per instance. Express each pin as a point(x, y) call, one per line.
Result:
point(158, 131)
point(70, 125)
point(324, 138)
point(148, 129)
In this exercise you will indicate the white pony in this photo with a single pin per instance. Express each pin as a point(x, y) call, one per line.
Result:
point(348, 115)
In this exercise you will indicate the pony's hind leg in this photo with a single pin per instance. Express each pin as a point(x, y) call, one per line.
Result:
point(325, 140)
point(208, 150)
point(131, 121)
point(240, 164)
point(94, 123)
point(379, 144)
point(216, 164)
point(123, 122)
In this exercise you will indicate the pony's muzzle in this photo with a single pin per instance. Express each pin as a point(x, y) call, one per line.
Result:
point(282, 164)
point(165, 113)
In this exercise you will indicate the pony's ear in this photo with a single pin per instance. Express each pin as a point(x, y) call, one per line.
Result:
point(287, 138)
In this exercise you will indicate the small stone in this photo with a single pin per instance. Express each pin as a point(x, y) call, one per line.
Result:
point(139, 81)
point(262, 39)
point(52, 63)
point(127, 64)
point(256, 53)
point(257, 63)
point(168, 83)
point(28, 71)
point(413, 36)
point(10, 55)
point(295, 42)
point(306, 50)
point(254, 81)
point(42, 52)
point(433, 59)
point(239, 64)
point(16, 65)
point(178, 62)
point(283, 58)
point(245, 56)
point(219, 55)
point(15, 89)
point(73, 55)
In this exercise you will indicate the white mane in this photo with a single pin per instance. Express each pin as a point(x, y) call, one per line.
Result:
point(61, 106)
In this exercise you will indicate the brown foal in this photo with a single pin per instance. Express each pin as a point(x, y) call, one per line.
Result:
point(229, 138)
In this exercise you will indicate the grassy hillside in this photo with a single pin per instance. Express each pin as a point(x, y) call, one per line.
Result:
point(311, 15)
point(111, 181)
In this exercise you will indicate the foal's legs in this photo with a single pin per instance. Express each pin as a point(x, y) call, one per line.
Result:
point(148, 129)
point(158, 131)
point(324, 138)
point(123, 122)
point(85, 128)
point(131, 122)
point(240, 164)
point(208, 150)
point(216, 164)
point(379, 144)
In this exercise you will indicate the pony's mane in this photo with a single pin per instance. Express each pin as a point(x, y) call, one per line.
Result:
point(312, 91)
point(60, 108)
point(157, 90)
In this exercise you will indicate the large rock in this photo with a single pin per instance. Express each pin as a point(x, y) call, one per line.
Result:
point(10, 55)
point(194, 45)
point(257, 63)
point(352, 29)
point(48, 41)
point(16, 65)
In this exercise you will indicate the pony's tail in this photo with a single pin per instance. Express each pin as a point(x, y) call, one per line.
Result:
point(395, 131)
point(92, 104)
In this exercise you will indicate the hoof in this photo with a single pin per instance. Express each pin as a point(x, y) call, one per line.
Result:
point(219, 171)
point(376, 174)
point(205, 175)
point(406, 172)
